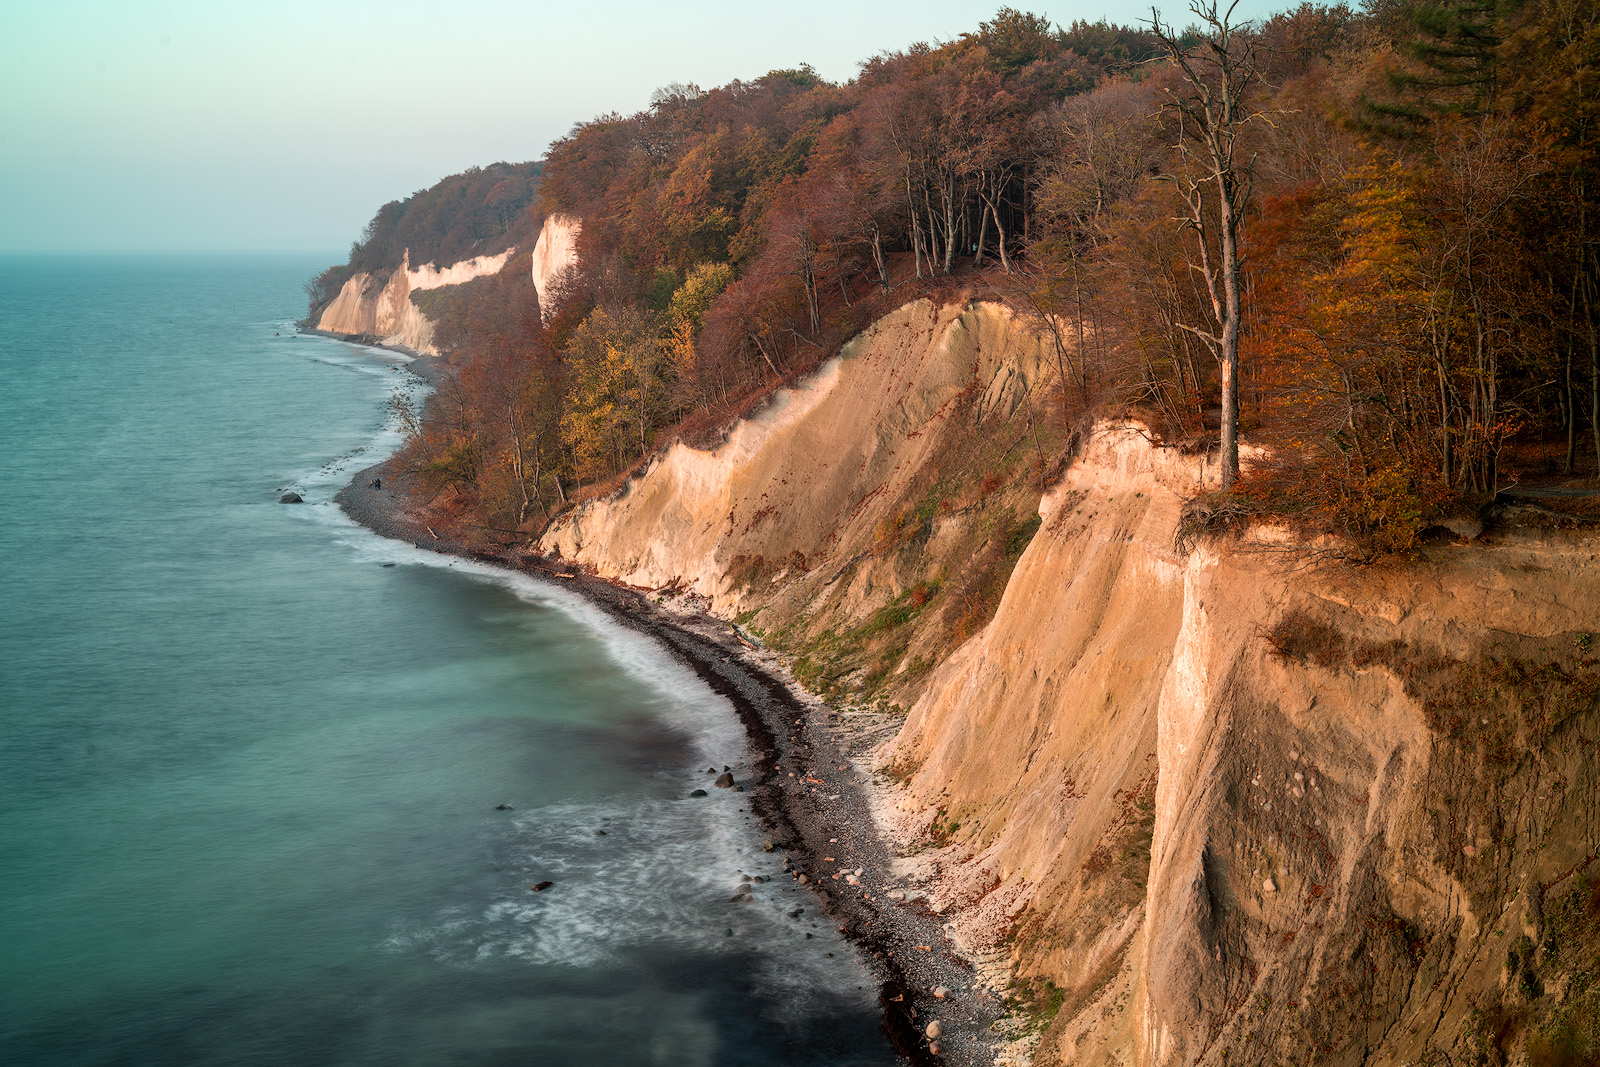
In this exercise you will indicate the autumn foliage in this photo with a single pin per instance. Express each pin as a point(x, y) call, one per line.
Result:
point(1419, 235)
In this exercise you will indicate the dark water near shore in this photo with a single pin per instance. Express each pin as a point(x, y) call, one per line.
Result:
point(248, 773)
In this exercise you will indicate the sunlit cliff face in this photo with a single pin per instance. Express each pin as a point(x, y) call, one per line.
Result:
point(385, 311)
point(555, 251)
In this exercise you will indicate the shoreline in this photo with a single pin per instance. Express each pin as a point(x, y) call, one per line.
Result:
point(810, 785)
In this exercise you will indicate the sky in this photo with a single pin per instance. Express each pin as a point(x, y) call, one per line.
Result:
point(283, 126)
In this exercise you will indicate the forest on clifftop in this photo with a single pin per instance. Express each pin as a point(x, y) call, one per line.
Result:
point(1417, 253)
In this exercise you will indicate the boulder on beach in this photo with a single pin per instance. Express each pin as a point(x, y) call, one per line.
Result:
point(724, 781)
point(291, 498)
point(934, 1030)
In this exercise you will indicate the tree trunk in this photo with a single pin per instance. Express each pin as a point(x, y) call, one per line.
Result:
point(983, 232)
point(1230, 333)
point(949, 223)
point(538, 494)
point(916, 247)
point(1594, 363)
point(1005, 260)
point(1569, 409)
point(517, 464)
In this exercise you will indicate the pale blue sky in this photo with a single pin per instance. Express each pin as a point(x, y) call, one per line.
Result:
point(186, 125)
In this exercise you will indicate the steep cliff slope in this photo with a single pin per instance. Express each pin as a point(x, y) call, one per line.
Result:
point(373, 306)
point(1235, 804)
point(865, 519)
point(1264, 807)
point(555, 250)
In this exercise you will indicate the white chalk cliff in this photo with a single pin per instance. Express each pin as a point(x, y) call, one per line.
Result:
point(380, 307)
point(554, 253)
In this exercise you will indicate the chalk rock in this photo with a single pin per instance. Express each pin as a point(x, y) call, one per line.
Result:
point(1269, 886)
point(934, 1030)
point(942, 992)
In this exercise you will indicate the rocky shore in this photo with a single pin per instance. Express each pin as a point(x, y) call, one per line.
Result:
point(811, 784)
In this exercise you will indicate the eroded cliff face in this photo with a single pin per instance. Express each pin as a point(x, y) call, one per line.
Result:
point(554, 252)
point(839, 495)
point(373, 306)
point(1261, 807)
point(1235, 804)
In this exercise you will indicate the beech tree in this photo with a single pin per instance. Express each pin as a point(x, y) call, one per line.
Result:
point(1215, 186)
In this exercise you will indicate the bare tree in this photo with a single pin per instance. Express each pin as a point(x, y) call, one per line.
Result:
point(1211, 117)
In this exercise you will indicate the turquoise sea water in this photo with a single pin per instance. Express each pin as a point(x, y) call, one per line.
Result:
point(248, 773)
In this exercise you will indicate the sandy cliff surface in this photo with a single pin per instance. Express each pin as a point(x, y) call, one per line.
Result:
point(373, 306)
point(1239, 803)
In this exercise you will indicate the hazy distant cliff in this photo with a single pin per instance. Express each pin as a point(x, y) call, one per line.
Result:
point(369, 306)
point(1233, 802)
point(467, 226)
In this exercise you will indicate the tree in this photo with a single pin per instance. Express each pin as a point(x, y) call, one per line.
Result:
point(617, 394)
point(1212, 115)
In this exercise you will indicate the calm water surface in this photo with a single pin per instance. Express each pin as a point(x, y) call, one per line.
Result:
point(248, 772)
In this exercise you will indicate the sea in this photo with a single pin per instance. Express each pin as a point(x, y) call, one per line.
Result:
point(274, 790)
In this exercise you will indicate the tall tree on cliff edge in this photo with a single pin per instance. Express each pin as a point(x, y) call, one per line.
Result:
point(1215, 186)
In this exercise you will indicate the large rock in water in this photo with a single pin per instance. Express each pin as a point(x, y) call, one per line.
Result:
point(724, 780)
point(290, 498)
